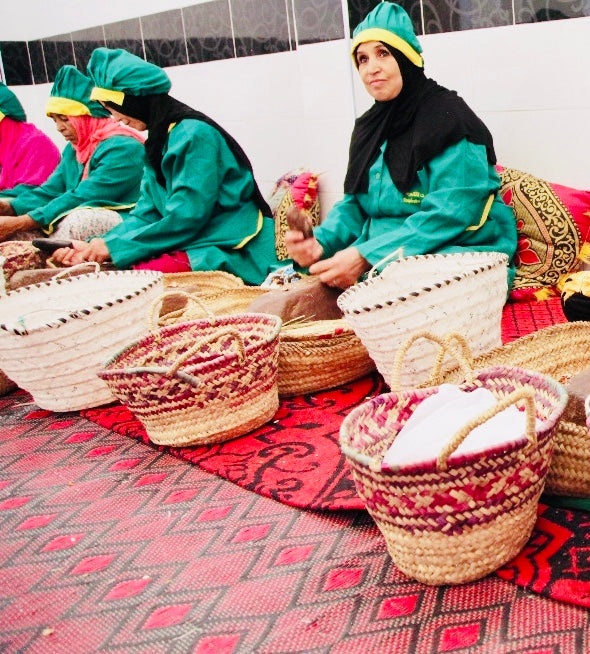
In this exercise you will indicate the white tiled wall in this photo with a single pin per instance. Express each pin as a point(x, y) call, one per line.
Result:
point(530, 84)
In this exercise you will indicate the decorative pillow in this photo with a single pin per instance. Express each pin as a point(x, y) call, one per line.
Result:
point(297, 187)
point(549, 239)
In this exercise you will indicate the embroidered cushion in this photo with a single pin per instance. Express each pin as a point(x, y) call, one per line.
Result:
point(297, 187)
point(549, 237)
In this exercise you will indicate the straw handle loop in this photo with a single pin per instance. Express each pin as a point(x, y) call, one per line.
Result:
point(396, 254)
point(228, 331)
point(154, 311)
point(521, 394)
point(462, 355)
point(79, 266)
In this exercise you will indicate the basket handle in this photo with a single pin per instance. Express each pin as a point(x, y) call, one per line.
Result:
point(462, 353)
point(227, 331)
point(154, 310)
point(396, 254)
point(520, 394)
point(79, 266)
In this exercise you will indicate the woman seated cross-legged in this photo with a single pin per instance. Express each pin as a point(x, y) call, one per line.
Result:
point(200, 207)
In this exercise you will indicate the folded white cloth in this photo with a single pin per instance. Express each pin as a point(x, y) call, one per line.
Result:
point(441, 415)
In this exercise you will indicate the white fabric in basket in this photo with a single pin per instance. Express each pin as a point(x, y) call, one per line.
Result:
point(441, 415)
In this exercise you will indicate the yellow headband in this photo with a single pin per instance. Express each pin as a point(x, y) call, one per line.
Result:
point(385, 36)
point(66, 107)
point(107, 95)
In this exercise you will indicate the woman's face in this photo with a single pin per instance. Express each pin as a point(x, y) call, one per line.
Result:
point(64, 127)
point(379, 71)
point(139, 125)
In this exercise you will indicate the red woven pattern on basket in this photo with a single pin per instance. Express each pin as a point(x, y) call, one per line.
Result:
point(475, 489)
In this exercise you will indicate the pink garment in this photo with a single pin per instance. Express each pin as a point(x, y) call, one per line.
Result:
point(91, 131)
point(27, 155)
point(167, 263)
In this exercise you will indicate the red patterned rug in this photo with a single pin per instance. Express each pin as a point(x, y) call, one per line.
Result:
point(296, 460)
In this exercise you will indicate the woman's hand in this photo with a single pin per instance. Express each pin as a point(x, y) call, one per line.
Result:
point(6, 208)
point(94, 250)
point(342, 270)
point(303, 251)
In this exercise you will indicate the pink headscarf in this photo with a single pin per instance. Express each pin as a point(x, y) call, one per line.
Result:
point(27, 155)
point(91, 131)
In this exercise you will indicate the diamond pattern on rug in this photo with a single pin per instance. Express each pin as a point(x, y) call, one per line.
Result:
point(191, 563)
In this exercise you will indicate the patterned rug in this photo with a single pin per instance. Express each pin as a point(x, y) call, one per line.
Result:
point(108, 546)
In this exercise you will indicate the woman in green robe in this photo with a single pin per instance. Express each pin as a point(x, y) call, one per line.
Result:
point(421, 176)
point(200, 207)
point(97, 181)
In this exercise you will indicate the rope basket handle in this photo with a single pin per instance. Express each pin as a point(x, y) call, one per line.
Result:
point(79, 266)
point(154, 311)
point(461, 353)
point(396, 254)
point(520, 394)
point(227, 331)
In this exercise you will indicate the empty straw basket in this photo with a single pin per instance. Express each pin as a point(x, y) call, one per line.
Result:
point(200, 382)
point(560, 351)
point(462, 292)
point(55, 335)
point(450, 522)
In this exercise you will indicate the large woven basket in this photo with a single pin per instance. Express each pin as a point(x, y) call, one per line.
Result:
point(313, 355)
point(200, 382)
point(437, 292)
point(55, 335)
point(560, 351)
point(454, 521)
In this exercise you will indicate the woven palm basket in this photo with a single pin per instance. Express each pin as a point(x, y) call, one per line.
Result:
point(455, 519)
point(200, 382)
point(560, 351)
point(55, 335)
point(428, 291)
point(313, 355)
point(203, 281)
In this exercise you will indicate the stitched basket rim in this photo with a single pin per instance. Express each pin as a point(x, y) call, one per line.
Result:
point(346, 300)
point(151, 279)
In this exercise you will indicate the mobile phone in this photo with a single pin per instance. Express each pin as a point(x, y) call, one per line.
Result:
point(50, 245)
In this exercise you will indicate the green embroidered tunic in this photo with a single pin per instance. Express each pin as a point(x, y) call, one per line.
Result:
point(205, 209)
point(453, 206)
point(113, 182)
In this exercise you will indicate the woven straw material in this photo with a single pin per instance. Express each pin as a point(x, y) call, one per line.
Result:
point(200, 382)
point(313, 356)
point(319, 355)
point(203, 281)
point(438, 292)
point(560, 351)
point(56, 335)
point(451, 522)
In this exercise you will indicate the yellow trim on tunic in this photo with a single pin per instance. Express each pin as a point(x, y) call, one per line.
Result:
point(2, 115)
point(107, 95)
point(385, 36)
point(65, 107)
point(484, 215)
point(243, 242)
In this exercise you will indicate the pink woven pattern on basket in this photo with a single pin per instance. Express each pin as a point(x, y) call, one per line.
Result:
point(200, 382)
point(456, 524)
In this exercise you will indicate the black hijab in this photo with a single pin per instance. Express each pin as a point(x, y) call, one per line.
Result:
point(158, 112)
point(419, 124)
